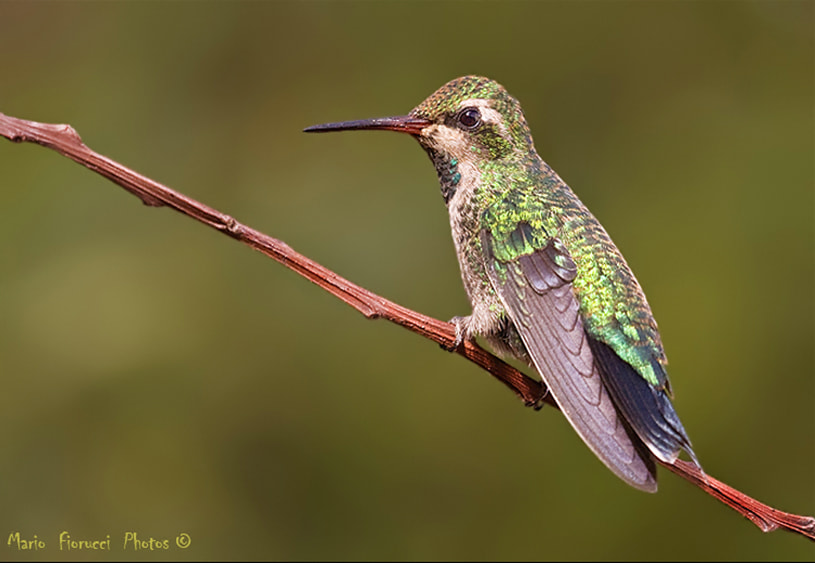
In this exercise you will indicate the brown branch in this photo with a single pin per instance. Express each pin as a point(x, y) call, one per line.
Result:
point(65, 140)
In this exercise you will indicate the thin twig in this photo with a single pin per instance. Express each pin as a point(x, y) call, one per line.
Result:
point(65, 140)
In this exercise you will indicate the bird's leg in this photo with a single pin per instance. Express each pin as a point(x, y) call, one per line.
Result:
point(463, 333)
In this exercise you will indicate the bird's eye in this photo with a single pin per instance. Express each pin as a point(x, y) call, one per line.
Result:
point(469, 118)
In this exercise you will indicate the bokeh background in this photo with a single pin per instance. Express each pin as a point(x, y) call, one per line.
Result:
point(160, 378)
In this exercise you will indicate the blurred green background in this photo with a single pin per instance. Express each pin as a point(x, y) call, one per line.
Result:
point(160, 378)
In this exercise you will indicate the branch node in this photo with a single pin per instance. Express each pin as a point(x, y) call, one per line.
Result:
point(70, 132)
point(148, 200)
point(233, 227)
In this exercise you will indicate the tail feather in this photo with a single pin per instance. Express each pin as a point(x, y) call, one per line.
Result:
point(647, 409)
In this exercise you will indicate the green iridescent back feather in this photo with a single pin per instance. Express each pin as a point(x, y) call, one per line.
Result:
point(613, 306)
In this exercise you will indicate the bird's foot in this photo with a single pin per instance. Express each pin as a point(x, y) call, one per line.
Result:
point(538, 403)
point(462, 333)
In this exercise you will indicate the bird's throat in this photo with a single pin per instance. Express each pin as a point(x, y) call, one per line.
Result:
point(447, 169)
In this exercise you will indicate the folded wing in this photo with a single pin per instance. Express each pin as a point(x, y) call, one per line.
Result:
point(537, 292)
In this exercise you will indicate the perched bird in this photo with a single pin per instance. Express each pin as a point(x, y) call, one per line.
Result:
point(546, 283)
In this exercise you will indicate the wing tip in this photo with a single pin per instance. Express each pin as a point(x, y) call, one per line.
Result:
point(648, 486)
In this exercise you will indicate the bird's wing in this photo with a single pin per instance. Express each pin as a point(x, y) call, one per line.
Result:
point(536, 290)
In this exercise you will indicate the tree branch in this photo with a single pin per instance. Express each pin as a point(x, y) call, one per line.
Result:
point(65, 140)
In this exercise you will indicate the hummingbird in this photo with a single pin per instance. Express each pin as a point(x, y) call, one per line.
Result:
point(546, 283)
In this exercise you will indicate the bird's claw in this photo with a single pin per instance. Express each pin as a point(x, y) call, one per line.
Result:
point(538, 403)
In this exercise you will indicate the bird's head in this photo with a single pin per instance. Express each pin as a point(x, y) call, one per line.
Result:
point(468, 120)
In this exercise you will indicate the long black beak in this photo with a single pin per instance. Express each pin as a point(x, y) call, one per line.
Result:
point(402, 123)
